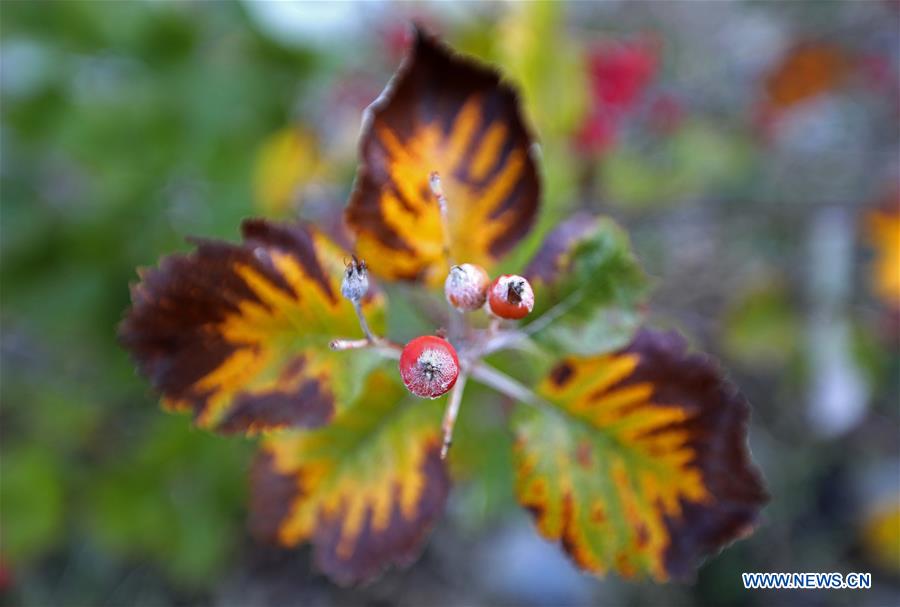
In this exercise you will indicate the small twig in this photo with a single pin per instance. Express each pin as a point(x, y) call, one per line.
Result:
point(502, 340)
point(381, 346)
point(357, 306)
point(434, 182)
point(505, 384)
point(452, 411)
point(457, 328)
point(552, 314)
point(456, 321)
point(349, 344)
point(494, 327)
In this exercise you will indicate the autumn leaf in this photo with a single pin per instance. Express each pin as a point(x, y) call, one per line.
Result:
point(639, 462)
point(286, 161)
point(365, 490)
point(551, 83)
point(590, 285)
point(449, 114)
point(883, 232)
point(238, 333)
point(807, 70)
point(881, 535)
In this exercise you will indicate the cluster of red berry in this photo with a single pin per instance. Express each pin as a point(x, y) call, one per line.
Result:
point(429, 364)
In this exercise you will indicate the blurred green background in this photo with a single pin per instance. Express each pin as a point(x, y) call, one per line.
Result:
point(745, 146)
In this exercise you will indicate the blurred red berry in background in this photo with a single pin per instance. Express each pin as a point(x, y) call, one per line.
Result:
point(620, 72)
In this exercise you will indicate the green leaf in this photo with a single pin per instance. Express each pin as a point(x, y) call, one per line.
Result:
point(638, 462)
point(364, 490)
point(31, 503)
point(588, 287)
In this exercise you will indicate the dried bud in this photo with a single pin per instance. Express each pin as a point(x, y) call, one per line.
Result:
point(355, 284)
point(466, 287)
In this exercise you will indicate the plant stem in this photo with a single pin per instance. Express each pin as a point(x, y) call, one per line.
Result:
point(434, 182)
point(552, 314)
point(364, 325)
point(457, 328)
point(349, 344)
point(384, 347)
point(505, 384)
point(452, 411)
point(500, 340)
point(494, 327)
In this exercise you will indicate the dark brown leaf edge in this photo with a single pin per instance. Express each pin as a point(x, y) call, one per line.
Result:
point(194, 329)
point(446, 113)
point(364, 490)
point(717, 421)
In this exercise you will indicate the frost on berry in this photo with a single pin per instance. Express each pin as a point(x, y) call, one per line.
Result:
point(355, 283)
point(511, 296)
point(466, 287)
point(429, 366)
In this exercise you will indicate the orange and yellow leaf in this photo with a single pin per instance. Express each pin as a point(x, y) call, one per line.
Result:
point(239, 333)
point(884, 236)
point(452, 115)
point(286, 161)
point(639, 464)
point(807, 70)
point(365, 490)
point(881, 535)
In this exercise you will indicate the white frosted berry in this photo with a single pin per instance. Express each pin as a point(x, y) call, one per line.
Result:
point(466, 287)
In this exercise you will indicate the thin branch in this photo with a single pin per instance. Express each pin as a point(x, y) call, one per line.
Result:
point(457, 328)
point(552, 314)
point(379, 345)
point(364, 325)
point(452, 411)
point(434, 182)
point(503, 383)
point(502, 340)
point(494, 327)
point(456, 320)
point(349, 344)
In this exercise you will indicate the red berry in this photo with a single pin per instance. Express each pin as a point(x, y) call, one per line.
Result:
point(466, 287)
point(429, 366)
point(510, 296)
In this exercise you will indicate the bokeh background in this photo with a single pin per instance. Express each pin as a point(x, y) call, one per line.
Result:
point(751, 149)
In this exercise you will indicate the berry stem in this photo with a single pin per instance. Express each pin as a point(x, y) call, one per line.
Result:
point(552, 314)
point(384, 347)
point(493, 328)
point(434, 182)
point(501, 340)
point(349, 344)
point(357, 307)
point(457, 326)
point(508, 386)
point(452, 411)
point(457, 323)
